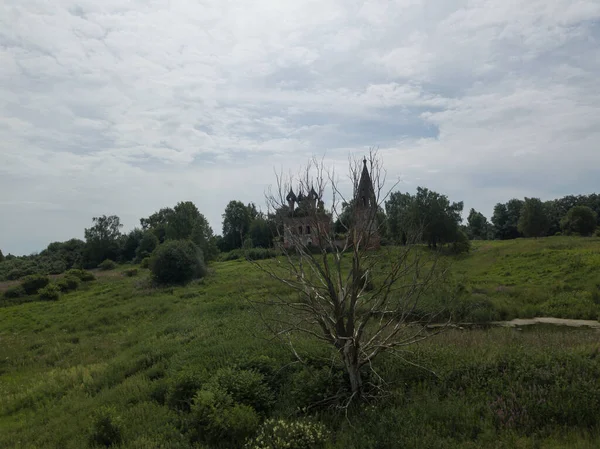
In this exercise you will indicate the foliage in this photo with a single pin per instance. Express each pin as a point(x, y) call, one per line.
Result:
point(131, 272)
point(533, 221)
point(183, 222)
point(506, 219)
point(148, 243)
point(245, 387)
point(83, 275)
point(477, 225)
point(580, 220)
point(32, 283)
point(1, 256)
point(16, 291)
point(130, 244)
point(177, 262)
point(288, 434)
point(68, 283)
point(50, 292)
point(182, 389)
point(462, 244)
point(107, 428)
point(237, 219)
point(107, 265)
point(102, 240)
point(261, 233)
point(145, 262)
point(218, 419)
point(427, 214)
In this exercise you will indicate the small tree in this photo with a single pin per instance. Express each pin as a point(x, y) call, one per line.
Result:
point(360, 301)
point(581, 220)
point(1, 256)
point(533, 221)
point(177, 262)
point(477, 225)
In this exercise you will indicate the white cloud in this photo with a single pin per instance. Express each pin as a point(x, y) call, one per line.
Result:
point(112, 107)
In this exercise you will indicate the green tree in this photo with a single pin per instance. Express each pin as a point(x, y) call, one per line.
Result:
point(477, 225)
point(506, 219)
point(533, 221)
point(261, 233)
point(181, 222)
point(147, 245)
point(427, 213)
point(1, 256)
point(131, 241)
point(580, 220)
point(102, 240)
point(236, 224)
point(158, 222)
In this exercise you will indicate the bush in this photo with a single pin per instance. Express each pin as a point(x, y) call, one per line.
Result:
point(106, 428)
point(245, 387)
point(68, 283)
point(285, 434)
point(15, 292)
point(145, 263)
point(462, 244)
point(50, 293)
point(182, 389)
point(33, 283)
point(14, 274)
point(217, 419)
point(83, 275)
point(107, 265)
point(177, 262)
point(131, 272)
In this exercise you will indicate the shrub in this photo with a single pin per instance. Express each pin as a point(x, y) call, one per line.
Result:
point(83, 275)
point(182, 389)
point(285, 434)
point(14, 274)
point(313, 385)
point(68, 283)
point(33, 283)
point(106, 428)
point(50, 293)
point(145, 263)
point(462, 244)
point(246, 387)
point(131, 272)
point(177, 262)
point(107, 265)
point(217, 419)
point(15, 292)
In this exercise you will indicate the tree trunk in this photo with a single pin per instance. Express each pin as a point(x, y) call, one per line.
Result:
point(350, 356)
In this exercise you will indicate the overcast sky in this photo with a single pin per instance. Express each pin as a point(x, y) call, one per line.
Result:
point(123, 107)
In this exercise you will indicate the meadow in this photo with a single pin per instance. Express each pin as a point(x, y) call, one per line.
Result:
point(120, 361)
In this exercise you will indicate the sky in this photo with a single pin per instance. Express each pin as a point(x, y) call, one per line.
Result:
point(121, 107)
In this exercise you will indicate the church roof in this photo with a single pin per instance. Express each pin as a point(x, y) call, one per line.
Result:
point(365, 185)
point(291, 196)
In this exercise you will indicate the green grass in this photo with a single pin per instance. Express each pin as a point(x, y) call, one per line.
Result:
point(118, 342)
point(554, 276)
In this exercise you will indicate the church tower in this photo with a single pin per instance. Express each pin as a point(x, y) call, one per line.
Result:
point(365, 202)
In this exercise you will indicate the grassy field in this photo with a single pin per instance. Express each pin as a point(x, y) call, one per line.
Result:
point(118, 350)
point(554, 276)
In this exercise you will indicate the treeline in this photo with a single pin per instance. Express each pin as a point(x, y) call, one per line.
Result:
point(570, 215)
point(430, 215)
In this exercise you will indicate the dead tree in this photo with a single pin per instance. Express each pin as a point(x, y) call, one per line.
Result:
point(358, 297)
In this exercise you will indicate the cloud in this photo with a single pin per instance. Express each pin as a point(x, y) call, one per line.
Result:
point(124, 108)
